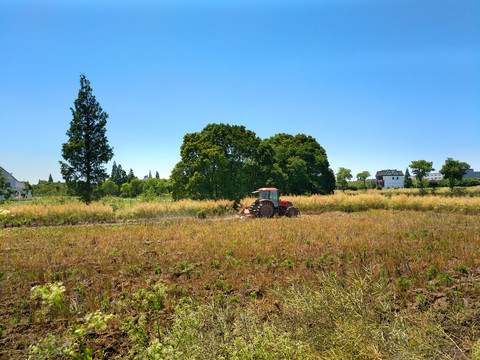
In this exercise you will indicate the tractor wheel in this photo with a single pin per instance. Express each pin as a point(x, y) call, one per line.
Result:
point(282, 210)
point(265, 210)
point(292, 211)
point(254, 207)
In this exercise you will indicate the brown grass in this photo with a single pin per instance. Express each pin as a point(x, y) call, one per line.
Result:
point(361, 201)
point(114, 209)
point(267, 266)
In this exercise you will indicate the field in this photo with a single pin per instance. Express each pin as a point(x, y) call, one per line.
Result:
point(356, 276)
point(64, 210)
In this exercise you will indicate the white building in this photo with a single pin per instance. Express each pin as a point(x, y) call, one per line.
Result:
point(434, 176)
point(472, 174)
point(18, 188)
point(389, 179)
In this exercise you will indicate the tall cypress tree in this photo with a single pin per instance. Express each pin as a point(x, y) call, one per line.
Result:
point(113, 176)
point(407, 180)
point(87, 148)
point(130, 176)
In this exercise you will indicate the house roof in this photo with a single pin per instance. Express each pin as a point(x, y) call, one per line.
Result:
point(7, 174)
point(390, 172)
point(14, 183)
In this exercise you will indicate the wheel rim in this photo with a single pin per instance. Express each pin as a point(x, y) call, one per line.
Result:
point(266, 211)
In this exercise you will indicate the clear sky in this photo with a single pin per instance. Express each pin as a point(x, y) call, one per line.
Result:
point(377, 83)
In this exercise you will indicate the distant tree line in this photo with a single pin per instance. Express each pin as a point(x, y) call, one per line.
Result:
point(127, 185)
point(453, 172)
point(49, 188)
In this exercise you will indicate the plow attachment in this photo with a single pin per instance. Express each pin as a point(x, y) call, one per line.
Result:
point(246, 213)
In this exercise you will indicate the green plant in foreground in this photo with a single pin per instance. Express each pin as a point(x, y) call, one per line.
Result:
point(220, 332)
point(342, 320)
point(287, 263)
point(432, 272)
point(445, 278)
point(476, 350)
point(421, 301)
point(146, 303)
point(201, 214)
point(462, 268)
point(403, 283)
point(73, 343)
point(4, 215)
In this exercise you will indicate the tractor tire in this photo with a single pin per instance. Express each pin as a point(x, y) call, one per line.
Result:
point(282, 211)
point(254, 207)
point(292, 211)
point(265, 210)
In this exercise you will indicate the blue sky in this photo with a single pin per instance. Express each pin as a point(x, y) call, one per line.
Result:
point(377, 83)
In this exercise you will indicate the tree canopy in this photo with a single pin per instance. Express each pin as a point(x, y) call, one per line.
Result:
point(299, 165)
point(217, 163)
point(453, 171)
point(87, 147)
point(109, 187)
point(228, 162)
point(343, 175)
point(407, 180)
point(119, 176)
point(421, 168)
point(362, 176)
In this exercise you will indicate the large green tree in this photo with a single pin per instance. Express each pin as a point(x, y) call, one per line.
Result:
point(421, 168)
point(453, 171)
point(298, 165)
point(220, 162)
point(87, 149)
point(225, 161)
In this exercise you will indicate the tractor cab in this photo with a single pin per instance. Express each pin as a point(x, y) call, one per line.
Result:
point(267, 194)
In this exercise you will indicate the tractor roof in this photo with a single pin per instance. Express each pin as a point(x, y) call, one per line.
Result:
point(266, 189)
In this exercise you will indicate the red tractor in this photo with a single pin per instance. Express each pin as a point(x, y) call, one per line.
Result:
point(268, 204)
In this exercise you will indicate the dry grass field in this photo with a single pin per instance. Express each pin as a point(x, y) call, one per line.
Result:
point(68, 211)
point(375, 284)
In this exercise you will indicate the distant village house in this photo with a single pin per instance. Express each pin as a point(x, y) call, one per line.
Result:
point(19, 189)
point(389, 179)
point(433, 176)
